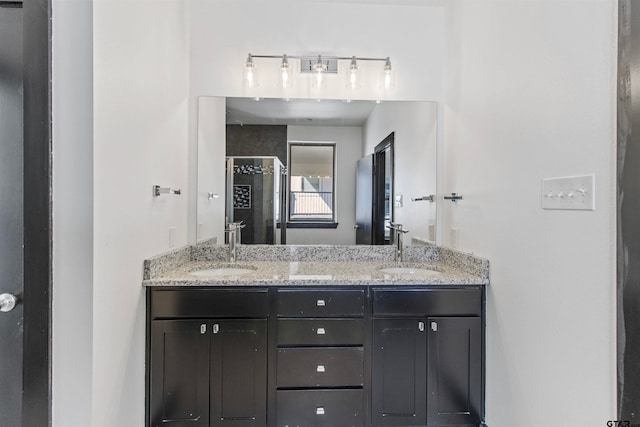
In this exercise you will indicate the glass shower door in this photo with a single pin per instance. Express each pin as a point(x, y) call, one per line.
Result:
point(253, 197)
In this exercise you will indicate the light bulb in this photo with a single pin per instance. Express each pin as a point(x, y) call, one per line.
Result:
point(250, 72)
point(285, 78)
point(387, 74)
point(319, 69)
point(319, 75)
point(353, 73)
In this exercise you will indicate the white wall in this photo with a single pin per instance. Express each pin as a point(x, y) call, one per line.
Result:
point(141, 77)
point(530, 93)
point(415, 127)
point(225, 31)
point(72, 317)
point(211, 168)
point(348, 140)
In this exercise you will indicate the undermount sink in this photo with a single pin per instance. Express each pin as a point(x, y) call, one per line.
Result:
point(422, 271)
point(224, 271)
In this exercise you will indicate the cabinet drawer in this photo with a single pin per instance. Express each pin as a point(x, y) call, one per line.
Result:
point(320, 332)
point(320, 303)
point(320, 367)
point(427, 302)
point(199, 303)
point(319, 408)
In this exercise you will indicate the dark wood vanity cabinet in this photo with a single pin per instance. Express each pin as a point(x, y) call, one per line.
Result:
point(427, 348)
point(320, 358)
point(210, 371)
point(310, 357)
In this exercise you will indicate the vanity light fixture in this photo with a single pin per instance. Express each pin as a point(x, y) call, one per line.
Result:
point(387, 75)
point(353, 74)
point(285, 76)
point(319, 70)
point(319, 66)
point(250, 77)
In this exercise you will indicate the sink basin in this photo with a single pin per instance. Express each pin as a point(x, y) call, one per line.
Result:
point(409, 270)
point(224, 271)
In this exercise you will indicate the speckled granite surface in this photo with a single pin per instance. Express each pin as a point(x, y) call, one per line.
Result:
point(316, 265)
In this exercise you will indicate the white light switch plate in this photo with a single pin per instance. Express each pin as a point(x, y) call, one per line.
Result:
point(398, 200)
point(570, 193)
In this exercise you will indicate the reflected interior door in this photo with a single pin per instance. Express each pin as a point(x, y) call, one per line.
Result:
point(383, 191)
point(11, 212)
point(364, 200)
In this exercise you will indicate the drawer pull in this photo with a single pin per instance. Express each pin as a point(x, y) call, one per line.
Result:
point(320, 410)
point(320, 368)
point(320, 303)
point(321, 331)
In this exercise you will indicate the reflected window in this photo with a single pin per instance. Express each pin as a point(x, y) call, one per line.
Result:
point(311, 182)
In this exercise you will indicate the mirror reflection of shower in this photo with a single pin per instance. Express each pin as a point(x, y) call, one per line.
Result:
point(255, 197)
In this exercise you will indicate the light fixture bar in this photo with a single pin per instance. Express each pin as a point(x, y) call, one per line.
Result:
point(319, 66)
point(315, 57)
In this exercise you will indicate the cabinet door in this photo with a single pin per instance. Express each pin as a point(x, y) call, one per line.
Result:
point(179, 373)
point(455, 371)
point(399, 368)
point(239, 373)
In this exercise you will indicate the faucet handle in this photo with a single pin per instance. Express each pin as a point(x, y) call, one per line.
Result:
point(397, 227)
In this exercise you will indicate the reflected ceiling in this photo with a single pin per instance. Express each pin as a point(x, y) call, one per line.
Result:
point(307, 112)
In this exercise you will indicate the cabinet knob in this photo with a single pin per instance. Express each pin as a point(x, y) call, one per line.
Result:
point(203, 328)
point(421, 326)
point(320, 303)
point(321, 331)
point(216, 328)
point(319, 410)
point(320, 368)
point(434, 326)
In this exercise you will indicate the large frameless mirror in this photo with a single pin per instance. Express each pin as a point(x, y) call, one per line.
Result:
point(296, 171)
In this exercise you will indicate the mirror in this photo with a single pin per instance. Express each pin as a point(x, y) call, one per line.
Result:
point(245, 128)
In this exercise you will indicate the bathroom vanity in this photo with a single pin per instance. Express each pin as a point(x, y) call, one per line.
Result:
point(335, 349)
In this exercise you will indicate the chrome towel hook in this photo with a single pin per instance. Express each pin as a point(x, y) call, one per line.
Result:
point(453, 197)
point(157, 190)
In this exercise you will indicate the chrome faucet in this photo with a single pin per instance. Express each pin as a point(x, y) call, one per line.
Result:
point(239, 226)
point(397, 238)
point(234, 229)
point(233, 247)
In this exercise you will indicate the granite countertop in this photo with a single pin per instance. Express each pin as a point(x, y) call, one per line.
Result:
point(316, 266)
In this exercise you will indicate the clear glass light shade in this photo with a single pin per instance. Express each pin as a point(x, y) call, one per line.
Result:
point(387, 75)
point(285, 73)
point(250, 74)
point(319, 70)
point(353, 75)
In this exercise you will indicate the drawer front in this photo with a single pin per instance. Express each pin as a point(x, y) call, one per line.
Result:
point(320, 303)
point(199, 303)
point(320, 367)
point(427, 302)
point(319, 408)
point(320, 332)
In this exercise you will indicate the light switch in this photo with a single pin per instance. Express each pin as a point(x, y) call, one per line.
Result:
point(570, 193)
point(397, 200)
